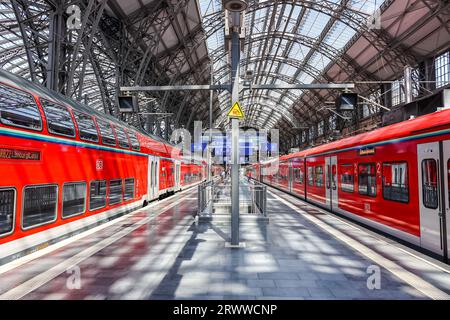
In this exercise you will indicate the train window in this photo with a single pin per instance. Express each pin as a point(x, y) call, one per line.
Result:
point(122, 137)
point(298, 175)
point(74, 199)
point(19, 109)
point(367, 179)
point(310, 176)
point(39, 205)
point(129, 189)
point(107, 133)
point(7, 208)
point(115, 191)
point(59, 120)
point(134, 140)
point(395, 182)
point(347, 178)
point(86, 127)
point(97, 196)
point(319, 176)
point(430, 189)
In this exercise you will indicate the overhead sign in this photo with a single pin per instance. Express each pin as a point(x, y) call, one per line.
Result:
point(236, 111)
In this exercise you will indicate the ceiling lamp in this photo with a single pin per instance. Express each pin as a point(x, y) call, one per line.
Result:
point(235, 5)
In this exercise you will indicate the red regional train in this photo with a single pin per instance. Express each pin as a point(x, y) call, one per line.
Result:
point(394, 179)
point(64, 166)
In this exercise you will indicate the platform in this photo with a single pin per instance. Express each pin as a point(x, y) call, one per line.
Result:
point(161, 252)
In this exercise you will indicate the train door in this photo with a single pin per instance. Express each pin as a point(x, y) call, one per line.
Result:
point(290, 175)
point(446, 164)
point(331, 182)
point(151, 163)
point(177, 175)
point(430, 201)
point(153, 177)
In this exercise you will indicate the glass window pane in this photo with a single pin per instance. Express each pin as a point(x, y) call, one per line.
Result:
point(310, 176)
point(59, 120)
point(134, 140)
point(367, 182)
point(448, 179)
point(129, 189)
point(97, 196)
point(107, 133)
point(7, 207)
point(430, 189)
point(347, 178)
point(74, 199)
point(39, 205)
point(115, 191)
point(395, 181)
point(86, 127)
point(319, 176)
point(19, 109)
point(334, 177)
point(122, 137)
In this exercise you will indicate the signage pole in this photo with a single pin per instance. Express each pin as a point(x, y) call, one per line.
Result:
point(235, 57)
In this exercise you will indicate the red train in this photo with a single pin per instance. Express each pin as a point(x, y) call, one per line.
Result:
point(64, 166)
point(395, 179)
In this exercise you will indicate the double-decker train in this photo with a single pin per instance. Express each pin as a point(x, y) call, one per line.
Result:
point(395, 179)
point(64, 166)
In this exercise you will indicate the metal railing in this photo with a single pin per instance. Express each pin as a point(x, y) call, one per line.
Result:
point(258, 193)
point(214, 198)
point(205, 196)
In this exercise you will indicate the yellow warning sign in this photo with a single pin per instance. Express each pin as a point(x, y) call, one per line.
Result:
point(236, 111)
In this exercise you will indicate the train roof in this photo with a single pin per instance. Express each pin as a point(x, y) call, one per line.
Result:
point(439, 120)
point(39, 90)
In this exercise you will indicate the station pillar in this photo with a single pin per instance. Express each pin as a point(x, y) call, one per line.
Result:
point(235, 58)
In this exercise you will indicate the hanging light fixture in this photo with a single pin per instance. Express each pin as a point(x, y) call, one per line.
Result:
point(235, 5)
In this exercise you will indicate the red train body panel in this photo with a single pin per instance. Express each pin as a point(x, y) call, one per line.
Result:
point(395, 179)
point(68, 178)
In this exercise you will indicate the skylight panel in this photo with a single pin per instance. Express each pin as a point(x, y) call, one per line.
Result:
point(305, 78)
point(339, 35)
point(314, 24)
point(289, 70)
point(319, 61)
point(298, 51)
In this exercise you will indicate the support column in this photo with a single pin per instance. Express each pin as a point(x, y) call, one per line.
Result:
point(408, 84)
point(235, 58)
point(209, 149)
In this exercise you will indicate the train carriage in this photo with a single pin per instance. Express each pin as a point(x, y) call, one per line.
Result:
point(64, 166)
point(395, 179)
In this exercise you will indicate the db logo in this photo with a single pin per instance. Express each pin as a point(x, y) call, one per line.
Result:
point(99, 165)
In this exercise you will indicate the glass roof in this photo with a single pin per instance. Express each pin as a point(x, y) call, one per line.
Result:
point(286, 42)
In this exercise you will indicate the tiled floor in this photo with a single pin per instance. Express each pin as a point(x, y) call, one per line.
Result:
point(169, 256)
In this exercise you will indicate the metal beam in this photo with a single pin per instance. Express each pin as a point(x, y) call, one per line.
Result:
point(304, 86)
